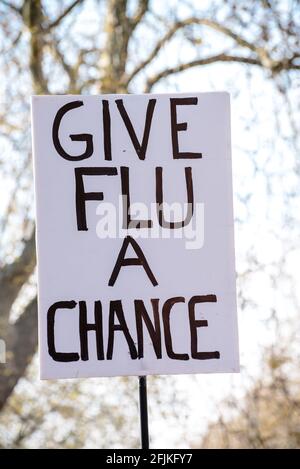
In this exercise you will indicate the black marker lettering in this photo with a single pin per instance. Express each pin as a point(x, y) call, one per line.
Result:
point(140, 148)
point(85, 327)
point(141, 316)
point(179, 127)
point(160, 199)
point(88, 138)
point(140, 260)
point(167, 307)
point(82, 196)
point(127, 220)
point(58, 356)
point(106, 129)
point(195, 323)
point(116, 309)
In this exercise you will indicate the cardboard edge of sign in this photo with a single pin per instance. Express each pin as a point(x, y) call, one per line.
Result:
point(235, 368)
point(36, 97)
point(230, 370)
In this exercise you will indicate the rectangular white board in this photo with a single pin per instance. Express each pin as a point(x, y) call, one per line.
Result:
point(115, 297)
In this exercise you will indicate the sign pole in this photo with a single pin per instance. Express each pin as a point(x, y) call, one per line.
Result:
point(143, 412)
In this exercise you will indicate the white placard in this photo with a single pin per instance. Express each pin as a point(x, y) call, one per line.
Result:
point(135, 242)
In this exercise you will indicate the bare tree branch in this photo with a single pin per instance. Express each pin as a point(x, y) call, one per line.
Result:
point(179, 25)
point(13, 277)
point(159, 45)
point(70, 71)
point(12, 7)
point(64, 14)
point(33, 17)
point(195, 63)
point(21, 344)
point(140, 13)
point(118, 31)
point(238, 38)
point(262, 55)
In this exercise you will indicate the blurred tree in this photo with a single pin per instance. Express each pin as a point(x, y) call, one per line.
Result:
point(268, 416)
point(108, 46)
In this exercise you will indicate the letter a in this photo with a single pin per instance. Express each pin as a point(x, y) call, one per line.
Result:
point(139, 260)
